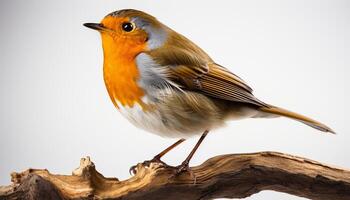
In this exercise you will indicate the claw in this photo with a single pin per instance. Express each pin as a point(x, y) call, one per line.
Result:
point(133, 170)
point(147, 163)
point(184, 167)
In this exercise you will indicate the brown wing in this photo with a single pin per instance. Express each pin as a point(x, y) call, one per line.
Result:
point(215, 81)
point(192, 69)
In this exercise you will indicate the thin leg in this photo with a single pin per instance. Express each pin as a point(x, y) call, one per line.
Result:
point(165, 151)
point(157, 158)
point(184, 165)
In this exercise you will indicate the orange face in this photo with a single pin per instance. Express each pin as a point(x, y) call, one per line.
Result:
point(122, 42)
point(123, 33)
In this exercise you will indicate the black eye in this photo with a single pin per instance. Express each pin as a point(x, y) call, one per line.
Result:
point(128, 27)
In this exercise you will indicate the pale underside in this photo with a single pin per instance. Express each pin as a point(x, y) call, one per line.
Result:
point(181, 115)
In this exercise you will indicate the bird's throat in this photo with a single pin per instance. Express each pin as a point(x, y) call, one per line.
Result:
point(121, 75)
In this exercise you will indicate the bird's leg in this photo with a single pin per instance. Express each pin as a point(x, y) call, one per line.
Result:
point(165, 151)
point(185, 164)
point(157, 158)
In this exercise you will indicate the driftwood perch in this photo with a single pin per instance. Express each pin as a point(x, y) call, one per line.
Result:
point(226, 176)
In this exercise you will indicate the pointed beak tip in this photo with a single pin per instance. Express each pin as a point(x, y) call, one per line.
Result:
point(95, 26)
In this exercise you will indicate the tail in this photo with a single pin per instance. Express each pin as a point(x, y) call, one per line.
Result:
point(275, 111)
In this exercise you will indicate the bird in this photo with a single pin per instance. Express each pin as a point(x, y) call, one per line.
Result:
point(164, 83)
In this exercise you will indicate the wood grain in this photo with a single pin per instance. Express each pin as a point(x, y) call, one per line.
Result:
point(225, 176)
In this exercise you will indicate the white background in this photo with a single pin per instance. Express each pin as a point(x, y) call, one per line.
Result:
point(54, 108)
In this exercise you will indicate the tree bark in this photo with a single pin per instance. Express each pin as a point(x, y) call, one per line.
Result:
point(225, 176)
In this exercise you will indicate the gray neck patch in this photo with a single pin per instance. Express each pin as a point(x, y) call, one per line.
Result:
point(156, 35)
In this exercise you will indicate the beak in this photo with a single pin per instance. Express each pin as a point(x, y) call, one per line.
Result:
point(95, 26)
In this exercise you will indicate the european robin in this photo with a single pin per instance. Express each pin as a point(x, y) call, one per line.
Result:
point(164, 83)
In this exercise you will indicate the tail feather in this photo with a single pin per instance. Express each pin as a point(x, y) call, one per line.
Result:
point(306, 120)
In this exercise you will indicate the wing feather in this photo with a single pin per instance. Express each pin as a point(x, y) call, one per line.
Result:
point(192, 69)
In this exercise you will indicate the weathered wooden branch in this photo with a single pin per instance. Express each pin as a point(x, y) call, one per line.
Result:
point(226, 176)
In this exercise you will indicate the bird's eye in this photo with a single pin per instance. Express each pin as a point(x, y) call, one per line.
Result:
point(128, 27)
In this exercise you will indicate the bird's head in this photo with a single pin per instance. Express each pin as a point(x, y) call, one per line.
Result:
point(130, 31)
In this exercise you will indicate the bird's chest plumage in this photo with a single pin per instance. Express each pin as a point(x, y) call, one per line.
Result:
point(160, 109)
point(130, 99)
point(120, 80)
point(121, 76)
point(120, 71)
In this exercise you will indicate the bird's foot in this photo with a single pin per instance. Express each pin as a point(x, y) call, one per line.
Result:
point(184, 167)
point(146, 163)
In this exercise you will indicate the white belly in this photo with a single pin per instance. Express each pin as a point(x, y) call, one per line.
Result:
point(153, 121)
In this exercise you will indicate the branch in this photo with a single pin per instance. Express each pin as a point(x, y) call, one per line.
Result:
point(226, 176)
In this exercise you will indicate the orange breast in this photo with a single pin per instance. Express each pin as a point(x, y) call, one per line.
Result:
point(120, 70)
